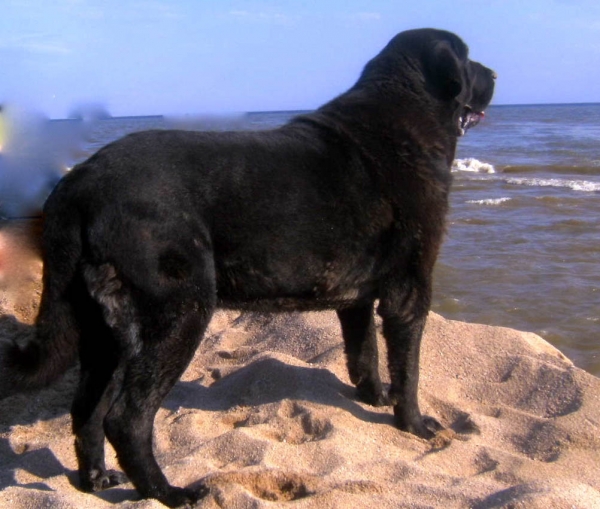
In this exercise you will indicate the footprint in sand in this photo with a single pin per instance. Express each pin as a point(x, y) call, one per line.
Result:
point(285, 421)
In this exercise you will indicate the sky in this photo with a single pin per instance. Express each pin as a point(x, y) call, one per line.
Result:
point(180, 57)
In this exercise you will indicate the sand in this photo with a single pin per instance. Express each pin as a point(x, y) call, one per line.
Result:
point(266, 417)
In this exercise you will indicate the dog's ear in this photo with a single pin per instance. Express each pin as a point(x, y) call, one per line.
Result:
point(444, 70)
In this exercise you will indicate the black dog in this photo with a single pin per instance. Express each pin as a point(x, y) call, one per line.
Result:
point(334, 210)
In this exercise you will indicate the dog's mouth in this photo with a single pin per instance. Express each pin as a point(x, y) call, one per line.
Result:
point(469, 118)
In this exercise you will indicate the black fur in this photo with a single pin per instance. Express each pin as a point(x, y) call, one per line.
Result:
point(334, 210)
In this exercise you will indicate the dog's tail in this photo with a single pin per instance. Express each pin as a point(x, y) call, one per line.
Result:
point(36, 355)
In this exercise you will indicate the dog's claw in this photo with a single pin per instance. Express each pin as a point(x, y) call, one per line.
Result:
point(432, 424)
point(422, 426)
point(370, 396)
point(183, 497)
point(102, 480)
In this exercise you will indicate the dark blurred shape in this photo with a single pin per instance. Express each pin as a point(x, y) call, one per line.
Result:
point(89, 112)
point(36, 153)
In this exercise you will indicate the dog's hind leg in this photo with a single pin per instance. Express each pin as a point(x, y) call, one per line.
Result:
point(99, 381)
point(360, 340)
point(148, 378)
point(158, 331)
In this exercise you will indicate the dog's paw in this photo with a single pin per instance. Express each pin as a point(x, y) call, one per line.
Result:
point(183, 497)
point(100, 480)
point(373, 399)
point(372, 394)
point(431, 424)
point(422, 426)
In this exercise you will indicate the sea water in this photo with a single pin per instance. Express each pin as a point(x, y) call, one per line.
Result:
point(523, 242)
point(522, 248)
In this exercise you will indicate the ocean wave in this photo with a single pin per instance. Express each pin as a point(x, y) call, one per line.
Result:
point(552, 201)
point(591, 169)
point(473, 165)
point(490, 201)
point(575, 185)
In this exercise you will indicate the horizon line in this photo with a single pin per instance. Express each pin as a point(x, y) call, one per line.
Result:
point(255, 112)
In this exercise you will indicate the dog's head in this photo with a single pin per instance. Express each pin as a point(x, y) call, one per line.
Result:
point(436, 62)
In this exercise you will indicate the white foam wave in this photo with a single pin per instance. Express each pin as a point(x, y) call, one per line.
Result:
point(473, 165)
point(489, 201)
point(575, 185)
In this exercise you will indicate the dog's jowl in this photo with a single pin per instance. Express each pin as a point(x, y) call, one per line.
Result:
point(337, 209)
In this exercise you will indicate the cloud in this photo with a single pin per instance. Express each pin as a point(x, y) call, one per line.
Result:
point(47, 48)
point(36, 43)
point(269, 17)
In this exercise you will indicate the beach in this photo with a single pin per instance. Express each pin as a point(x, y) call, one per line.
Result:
point(522, 243)
point(265, 416)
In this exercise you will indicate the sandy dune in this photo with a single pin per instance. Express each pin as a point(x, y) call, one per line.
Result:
point(265, 416)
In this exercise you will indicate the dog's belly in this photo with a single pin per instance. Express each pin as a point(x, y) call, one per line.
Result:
point(298, 303)
point(294, 288)
point(289, 304)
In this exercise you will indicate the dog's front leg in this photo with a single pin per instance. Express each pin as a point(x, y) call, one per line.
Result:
point(404, 308)
point(360, 345)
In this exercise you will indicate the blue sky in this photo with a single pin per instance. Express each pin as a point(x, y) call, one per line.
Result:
point(207, 56)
